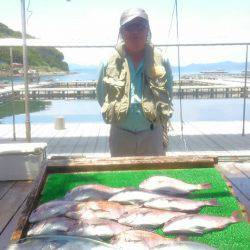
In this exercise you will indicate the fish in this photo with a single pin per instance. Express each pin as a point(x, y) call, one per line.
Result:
point(171, 186)
point(97, 228)
point(134, 196)
point(50, 209)
point(139, 245)
point(147, 218)
point(55, 225)
point(179, 204)
point(91, 192)
point(199, 224)
point(142, 238)
point(59, 242)
point(183, 245)
point(99, 209)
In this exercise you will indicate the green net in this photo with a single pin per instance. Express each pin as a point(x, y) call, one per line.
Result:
point(236, 236)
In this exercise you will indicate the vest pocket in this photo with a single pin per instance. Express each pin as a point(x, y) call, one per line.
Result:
point(114, 88)
point(108, 111)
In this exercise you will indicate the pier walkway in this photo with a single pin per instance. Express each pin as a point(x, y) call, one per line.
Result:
point(91, 139)
point(221, 139)
point(191, 88)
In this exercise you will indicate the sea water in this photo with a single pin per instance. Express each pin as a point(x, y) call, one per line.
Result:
point(89, 110)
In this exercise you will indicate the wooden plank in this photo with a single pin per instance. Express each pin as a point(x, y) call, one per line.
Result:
point(127, 163)
point(238, 179)
point(29, 205)
point(107, 150)
point(5, 186)
point(11, 202)
point(234, 142)
point(82, 140)
point(57, 135)
point(176, 143)
point(201, 137)
point(242, 198)
point(244, 168)
point(243, 201)
point(8, 230)
point(72, 137)
point(67, 140)
point(100, 146)
point(208, 138)
point(92, 138)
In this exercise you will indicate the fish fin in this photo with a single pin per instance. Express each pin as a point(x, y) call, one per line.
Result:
point(199, 230)
point(205, 186)
point(236, 216)
point(139, 204)
point(177, 217)
point(181, 238)
point(213, 202)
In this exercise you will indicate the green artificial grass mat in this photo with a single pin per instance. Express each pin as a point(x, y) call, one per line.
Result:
point(235, 236)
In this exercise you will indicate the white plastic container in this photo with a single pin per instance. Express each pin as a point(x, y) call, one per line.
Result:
point(59, 123)
point(21, 161)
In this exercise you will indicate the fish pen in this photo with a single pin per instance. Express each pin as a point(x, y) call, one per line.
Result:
point(61, 174)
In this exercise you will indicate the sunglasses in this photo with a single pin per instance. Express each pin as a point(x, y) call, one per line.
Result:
point(136, 26)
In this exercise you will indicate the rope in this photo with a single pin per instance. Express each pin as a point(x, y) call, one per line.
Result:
point(179, 75)
point(171, 22)
point(164, 49)
point(29, 12)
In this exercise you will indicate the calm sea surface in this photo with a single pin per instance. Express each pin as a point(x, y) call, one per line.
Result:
point(89, 110)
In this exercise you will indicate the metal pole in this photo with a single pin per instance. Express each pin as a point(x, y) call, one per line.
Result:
point(25, 73)
point(12, 95)
point(245, 92)
point(179, 74)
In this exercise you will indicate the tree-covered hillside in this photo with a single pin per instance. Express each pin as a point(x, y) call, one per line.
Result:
point(45, 58)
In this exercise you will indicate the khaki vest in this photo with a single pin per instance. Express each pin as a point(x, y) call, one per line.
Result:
point(156, 102)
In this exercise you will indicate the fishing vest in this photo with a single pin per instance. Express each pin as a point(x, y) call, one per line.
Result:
point(156, 102)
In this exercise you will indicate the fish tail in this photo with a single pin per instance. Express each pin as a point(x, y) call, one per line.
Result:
point(213, 202)
point(236, 216)
point(205, 186)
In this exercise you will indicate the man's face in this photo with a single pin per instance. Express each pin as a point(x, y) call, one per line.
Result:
point(135, 35)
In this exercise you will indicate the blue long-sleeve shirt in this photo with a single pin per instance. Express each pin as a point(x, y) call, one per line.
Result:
point(135, 120)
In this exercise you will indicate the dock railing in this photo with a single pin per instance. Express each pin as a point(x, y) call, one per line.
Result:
point(9, 42)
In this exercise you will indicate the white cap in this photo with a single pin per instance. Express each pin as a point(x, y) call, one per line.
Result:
point(130, 14)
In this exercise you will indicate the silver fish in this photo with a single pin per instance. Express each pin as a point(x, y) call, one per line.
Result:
point(99, 209)
point(97, 228)
point(179, 204)
point(91, 192)
point(183, 245)
point(58, 242)
point(145, 239)
point(51, 209)
point(139, 245)
point(53, 225)
point(171, 186)
point(198, 224)
point(147, 217)
point(134, 196)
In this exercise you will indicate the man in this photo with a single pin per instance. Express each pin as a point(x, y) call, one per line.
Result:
point(134, 90)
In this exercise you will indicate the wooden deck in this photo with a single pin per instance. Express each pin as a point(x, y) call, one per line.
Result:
point(91, 139)
point(222, 139)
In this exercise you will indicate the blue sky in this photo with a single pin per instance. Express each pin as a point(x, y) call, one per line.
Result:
point(97, 21)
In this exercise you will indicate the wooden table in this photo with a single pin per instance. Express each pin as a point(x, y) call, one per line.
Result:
point(14, 193)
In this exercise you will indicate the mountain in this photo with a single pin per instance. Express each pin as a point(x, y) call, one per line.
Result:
point(43, 58)
point(225, 66)
point(191, 68)
point(78, 67)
